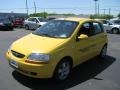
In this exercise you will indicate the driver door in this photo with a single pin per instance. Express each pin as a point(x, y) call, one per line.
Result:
point(84, 47)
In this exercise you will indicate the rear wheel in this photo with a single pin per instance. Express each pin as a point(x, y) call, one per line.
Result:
point(115, 31)
point(62, 70)
point(103, 52)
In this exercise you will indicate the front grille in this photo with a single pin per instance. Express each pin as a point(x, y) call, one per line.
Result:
point(17, 54)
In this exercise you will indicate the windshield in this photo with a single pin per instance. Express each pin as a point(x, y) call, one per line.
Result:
point(57, 29)
point(4, 20)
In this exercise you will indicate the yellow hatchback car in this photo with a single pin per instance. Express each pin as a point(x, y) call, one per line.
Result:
point(58, 46)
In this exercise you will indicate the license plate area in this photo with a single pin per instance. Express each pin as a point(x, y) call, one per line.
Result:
point(14, 63)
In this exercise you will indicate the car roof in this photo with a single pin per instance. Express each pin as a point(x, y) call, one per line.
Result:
point(75, 19)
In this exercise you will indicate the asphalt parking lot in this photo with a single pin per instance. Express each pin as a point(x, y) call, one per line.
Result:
point(91, 75)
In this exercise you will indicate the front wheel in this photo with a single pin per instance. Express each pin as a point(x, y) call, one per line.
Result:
point(26, 27)
point(62, 70)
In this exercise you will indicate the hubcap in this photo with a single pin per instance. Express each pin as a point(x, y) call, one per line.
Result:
point(64, 70)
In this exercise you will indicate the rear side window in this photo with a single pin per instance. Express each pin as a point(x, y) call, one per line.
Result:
point(30, 19)
point(104, 21)
point(97, 28)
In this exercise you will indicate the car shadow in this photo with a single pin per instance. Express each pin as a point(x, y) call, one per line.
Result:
point(82, 73)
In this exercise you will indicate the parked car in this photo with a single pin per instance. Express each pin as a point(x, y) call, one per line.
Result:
point(18, 22)
point(34, 22)
point(5, 24)
point(116, 21)
point(57, 47)
point(110, 26)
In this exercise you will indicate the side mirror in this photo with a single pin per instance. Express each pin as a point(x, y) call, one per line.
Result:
point(83, 37)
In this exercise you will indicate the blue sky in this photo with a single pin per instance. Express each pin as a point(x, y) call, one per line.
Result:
point(62, 6)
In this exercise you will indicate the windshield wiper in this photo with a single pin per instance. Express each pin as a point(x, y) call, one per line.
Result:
point(48, 35)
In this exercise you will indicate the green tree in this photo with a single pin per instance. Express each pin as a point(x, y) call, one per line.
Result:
point(119, 15)
point(101, 16)
point(42, 14)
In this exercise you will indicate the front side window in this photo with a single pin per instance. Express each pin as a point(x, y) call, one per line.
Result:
point(104, 21)
point(57, 29)
point(97, 28)
point(86, 29)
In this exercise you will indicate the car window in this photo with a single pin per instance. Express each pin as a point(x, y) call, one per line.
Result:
point(97, 28)
point(57, 29)
point(104, 21)
point(4, 20)
point(116, 21)
point(32, 19)
point(86, 28)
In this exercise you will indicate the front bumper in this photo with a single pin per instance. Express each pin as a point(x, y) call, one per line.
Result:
point(45, 70)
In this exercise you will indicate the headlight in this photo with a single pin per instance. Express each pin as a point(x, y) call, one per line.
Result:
point(38, 57)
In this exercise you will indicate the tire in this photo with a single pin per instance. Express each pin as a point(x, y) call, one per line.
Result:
point(26, 27)
point(115, 31)
point(62, 70)
point(103, 52)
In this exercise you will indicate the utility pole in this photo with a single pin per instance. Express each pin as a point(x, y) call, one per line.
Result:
point(109, 11)
point(35, 6)
point(104, 12)
point(27, 6)
point(95, 7)
point(44, 13)
point(98, 9)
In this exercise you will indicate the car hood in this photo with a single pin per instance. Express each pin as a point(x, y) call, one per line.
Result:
point(42, 23)
point(34, 43)
point(116, 25)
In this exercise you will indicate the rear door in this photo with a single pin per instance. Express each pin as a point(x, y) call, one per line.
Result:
point(98, 38)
